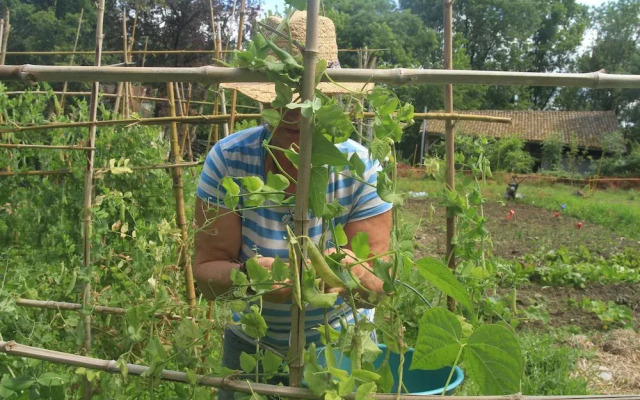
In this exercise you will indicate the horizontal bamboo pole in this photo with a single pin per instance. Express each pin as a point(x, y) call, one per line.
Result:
point(399, 76)
point(161, 99)
point(81, 52)
point(61, 305)
point(200, 119)
point(133, 168)
point(20, 350)
point(43, 146)
point(19, 173)
point(192, 119)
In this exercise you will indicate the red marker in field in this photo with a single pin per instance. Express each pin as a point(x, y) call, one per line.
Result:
point(556, 214)
point(512, 212)
point(579, 225)
point(508, 217)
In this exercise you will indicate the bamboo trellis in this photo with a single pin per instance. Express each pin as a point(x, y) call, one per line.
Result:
point(142, 52)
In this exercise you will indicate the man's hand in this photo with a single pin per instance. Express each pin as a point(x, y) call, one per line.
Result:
point(279, 293)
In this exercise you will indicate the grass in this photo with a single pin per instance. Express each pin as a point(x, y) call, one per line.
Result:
point(616, 209)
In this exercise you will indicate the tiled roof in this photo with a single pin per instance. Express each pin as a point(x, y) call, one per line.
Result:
point(534, 126)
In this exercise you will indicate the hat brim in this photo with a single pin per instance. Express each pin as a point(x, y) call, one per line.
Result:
point(266, 92)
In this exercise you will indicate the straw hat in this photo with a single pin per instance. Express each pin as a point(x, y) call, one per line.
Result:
point(265, 92)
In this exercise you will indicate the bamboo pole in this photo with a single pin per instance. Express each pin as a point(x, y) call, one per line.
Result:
point(184, 261)
point(125, 85)
point(63, 305)
point(139, 52)
point(449, 138)
point(194, 119)
point(144, 55)
point(234, 93)
point(43, 146)
point(301, 215)
point(88, 197)
point(399, 76)
point(214, 119)
point(2, 52)
point(130, 58)
point(102, 170)
point(20, 350)
point(5, 36)
point(75, 45)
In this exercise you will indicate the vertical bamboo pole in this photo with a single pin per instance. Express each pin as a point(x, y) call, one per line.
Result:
point(184, 261)
point(75, 46)
point(1, 47)
point(234, 93)
point(449, 138)
point(5, 36)
point(88, 196)
point(301, 216)
point(144, 55)
point(125, 85)
point(130, 59)
point(214, 39)
point(223, 101)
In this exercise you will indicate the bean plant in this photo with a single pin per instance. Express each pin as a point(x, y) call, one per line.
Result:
point(490, 353)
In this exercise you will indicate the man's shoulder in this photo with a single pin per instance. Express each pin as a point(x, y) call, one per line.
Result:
point(350, 146)
point(250, 137)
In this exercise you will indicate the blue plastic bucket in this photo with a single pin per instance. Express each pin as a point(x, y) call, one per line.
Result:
point(417, 381)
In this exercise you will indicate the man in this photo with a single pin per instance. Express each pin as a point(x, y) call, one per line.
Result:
point(227, 239)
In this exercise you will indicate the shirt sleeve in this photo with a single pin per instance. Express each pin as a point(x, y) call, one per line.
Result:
point(209, 187)
point(366, 202)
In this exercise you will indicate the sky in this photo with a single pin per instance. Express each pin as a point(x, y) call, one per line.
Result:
point(271, 4)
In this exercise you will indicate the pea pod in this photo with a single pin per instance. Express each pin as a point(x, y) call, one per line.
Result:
point(322, 268)
point(293, 270)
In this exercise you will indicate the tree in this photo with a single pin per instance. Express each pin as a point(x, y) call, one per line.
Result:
point(616, 49)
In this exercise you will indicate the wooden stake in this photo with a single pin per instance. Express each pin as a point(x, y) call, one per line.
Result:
point(75, 45)
point(5, 36)
point(125, 85)
point(301, 216)
point(88, 197)
point(234, 93)
point(1, 41)
point(184, 260)
point(449, 138)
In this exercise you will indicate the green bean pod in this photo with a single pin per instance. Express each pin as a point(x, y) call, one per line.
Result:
point(321, 267)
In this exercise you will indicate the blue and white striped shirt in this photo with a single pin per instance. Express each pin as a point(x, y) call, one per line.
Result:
point(264, 229)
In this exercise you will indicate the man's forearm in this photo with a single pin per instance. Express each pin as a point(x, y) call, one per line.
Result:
point(214, 277)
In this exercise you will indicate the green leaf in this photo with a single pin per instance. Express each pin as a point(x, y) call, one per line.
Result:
point(443, 278)
point(380, 149)
point(284, 95)
point(389, 106)
point(318, 189)
point(386, 381)
point(257, 273)
point(341, 236)
point(356, 165)
point(271, 362)
point(279, 270)
point(438, 341)
point(272, 117)
point(346, 386)
point(365, 376)
point(494, 360)
point(299, 5)
point(247, 362)
point(386, 192)
point(277, 182)
point(253, 324)
point(253, 184)
point(360, 245)
point(365, 391)
point(333, 210)
point(51, 379)
point(315, 297)
point(316, 379)
point(192, 377)
point(232, 191)
point(405, 113)
point(19, 383)
point(381, 270)
point(326, 153)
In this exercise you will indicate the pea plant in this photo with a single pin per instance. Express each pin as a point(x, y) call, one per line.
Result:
point(490, 353)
